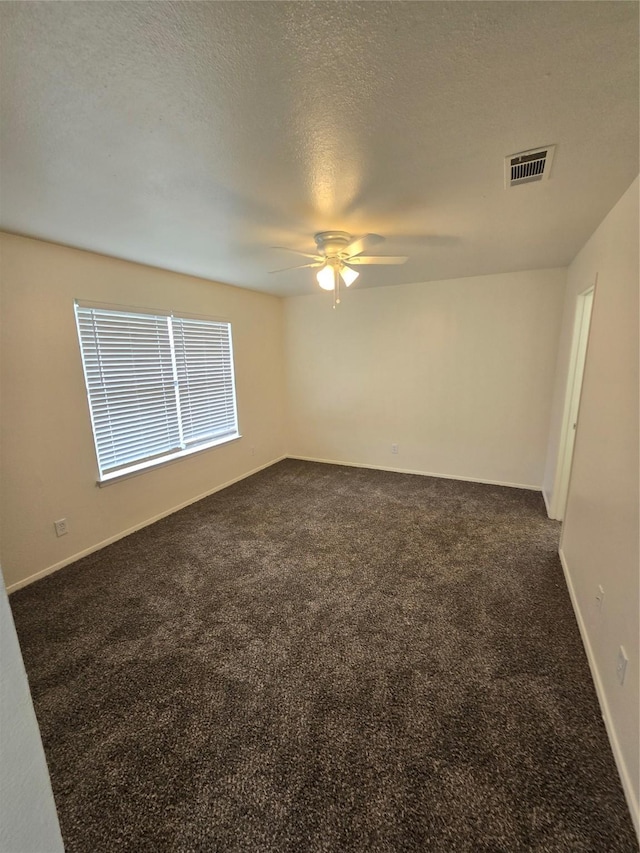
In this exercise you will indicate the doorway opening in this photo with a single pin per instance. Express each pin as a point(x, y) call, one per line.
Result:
point(581, 325)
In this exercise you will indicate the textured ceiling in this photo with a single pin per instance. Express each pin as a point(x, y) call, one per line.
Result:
point(194, 136)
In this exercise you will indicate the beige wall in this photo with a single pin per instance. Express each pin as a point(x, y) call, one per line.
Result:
point(600, 534)
point(48, 465)
point(28, 819)
point(459, 373)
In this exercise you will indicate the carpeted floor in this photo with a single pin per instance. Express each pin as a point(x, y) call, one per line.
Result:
point(323, 658)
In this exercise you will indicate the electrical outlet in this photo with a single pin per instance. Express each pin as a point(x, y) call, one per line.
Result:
point(599, 598)
point(253, 451)
point(61, 527)
point(621, 664)
point(394, 448)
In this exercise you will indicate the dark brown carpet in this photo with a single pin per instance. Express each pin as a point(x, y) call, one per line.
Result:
point(328, 659)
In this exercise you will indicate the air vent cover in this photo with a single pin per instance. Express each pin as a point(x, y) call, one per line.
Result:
point(528, 166)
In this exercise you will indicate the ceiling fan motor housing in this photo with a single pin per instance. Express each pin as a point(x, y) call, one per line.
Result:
point(331, 244)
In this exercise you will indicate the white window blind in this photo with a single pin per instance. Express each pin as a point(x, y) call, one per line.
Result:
point(158, 386)
point(205, 379)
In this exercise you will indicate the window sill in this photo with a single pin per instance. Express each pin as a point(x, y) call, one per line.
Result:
point(141, 467)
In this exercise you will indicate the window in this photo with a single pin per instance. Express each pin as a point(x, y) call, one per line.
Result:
point(160, 386)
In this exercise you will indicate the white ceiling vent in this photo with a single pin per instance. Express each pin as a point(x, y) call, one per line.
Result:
point(528, 166)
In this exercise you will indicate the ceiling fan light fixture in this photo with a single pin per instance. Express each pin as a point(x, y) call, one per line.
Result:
point(338, 253)
point(326, 278)
point(348, 275)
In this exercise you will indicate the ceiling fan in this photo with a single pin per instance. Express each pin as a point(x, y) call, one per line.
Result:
point(338, 252)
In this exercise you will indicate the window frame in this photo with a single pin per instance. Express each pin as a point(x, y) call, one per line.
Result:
point(133, 468)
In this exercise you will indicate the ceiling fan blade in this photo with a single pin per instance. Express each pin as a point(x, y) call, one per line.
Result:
point(361, 243)
point(296, 252)
point(298, 267)
point(376, 259)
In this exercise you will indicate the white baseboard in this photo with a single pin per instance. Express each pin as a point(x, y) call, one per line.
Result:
point(546, 503)
point(420, 473)
point(68, 560)
point(625, 777)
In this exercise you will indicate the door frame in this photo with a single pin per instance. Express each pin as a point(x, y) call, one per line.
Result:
point(575, 380)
